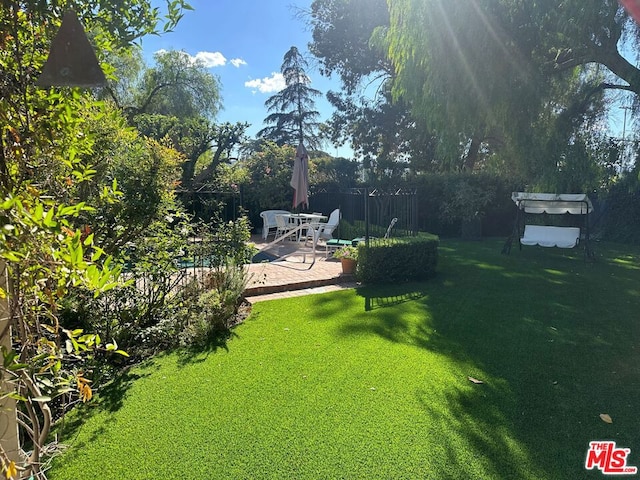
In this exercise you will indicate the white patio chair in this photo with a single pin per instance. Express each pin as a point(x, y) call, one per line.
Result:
point(324, 231)
point(269, 221)
point(283, 227)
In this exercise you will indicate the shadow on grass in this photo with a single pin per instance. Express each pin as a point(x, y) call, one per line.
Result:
point(474, 423)
point(375, 299)
point(200, 352)
point(555, 333)
point(110, 398)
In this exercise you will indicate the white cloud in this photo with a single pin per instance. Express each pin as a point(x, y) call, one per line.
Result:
point(271, 84)
point(208, 59)
point(211, 59)
point(237, 62)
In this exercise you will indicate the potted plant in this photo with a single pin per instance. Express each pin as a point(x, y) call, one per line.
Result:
point(348, 256)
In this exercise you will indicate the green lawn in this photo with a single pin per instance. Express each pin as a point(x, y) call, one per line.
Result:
point(373, 383)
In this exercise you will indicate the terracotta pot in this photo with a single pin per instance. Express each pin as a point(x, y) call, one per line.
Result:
point(348, 265)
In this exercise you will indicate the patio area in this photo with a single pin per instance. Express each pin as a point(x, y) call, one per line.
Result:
point(294, 276)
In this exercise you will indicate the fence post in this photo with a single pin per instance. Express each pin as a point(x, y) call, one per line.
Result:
point(366, 216)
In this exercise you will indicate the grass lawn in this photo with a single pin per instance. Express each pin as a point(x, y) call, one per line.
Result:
point(373, 383)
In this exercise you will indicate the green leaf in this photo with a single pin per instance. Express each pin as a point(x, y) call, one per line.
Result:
point(12, 256)
point(17, 397)
point(48, 219)
point(45, 382)
point(97, 253)
point(66, 211)
point(17, 366)
point(8, 203)
point(39, 213)
point(8, 356)
point(41, 398)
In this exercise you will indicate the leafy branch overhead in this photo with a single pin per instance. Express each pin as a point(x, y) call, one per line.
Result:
point(505, 85)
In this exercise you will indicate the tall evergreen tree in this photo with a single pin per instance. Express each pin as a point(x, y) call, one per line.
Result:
point(292, 117)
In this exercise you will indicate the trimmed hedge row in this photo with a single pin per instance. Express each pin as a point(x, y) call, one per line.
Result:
point(398, 259)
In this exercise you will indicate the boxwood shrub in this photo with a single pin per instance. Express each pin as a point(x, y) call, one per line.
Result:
point(398, 259)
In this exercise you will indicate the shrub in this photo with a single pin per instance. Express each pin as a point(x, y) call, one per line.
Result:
point(149, 314)
point(227, 241)
point(398, 259)
point(268, 184)
point(212, 306)
point(141, 315)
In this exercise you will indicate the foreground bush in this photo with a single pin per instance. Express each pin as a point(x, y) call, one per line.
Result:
point(398, 259)
point(211, 307)
point(177, 289)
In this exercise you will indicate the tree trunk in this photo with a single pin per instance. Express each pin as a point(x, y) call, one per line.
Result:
point(472, 154)
point(615, 62)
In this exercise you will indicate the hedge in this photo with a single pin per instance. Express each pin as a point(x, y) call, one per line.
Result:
point(398, 259)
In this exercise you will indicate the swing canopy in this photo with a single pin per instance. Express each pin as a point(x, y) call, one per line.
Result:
point(552, 203)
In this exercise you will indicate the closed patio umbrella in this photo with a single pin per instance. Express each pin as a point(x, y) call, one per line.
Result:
point(632, 7)
point(300, 177)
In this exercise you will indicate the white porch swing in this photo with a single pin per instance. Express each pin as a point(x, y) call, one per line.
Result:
point(551, 235)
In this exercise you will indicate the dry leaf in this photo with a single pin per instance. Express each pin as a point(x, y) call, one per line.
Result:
point(11, 471)
point(606, 418)
point(475, 380)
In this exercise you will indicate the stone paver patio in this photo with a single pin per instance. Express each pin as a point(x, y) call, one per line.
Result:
point(294, 275)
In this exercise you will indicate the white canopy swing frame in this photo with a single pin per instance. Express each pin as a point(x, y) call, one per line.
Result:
point(549, 235)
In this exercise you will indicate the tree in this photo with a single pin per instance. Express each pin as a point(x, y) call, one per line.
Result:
point(448, 85)
point(496, 82)
point(177, 100)
point(381, 131)
point(333, 173)
point(342, 31)
point(194, 137)
point(176, 86)
point(146, 173)
point(293, 119)
point(489, 68)
point(227, 136)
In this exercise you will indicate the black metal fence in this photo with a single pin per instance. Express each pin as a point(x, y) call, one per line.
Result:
point(369, 212)
point(206, 204)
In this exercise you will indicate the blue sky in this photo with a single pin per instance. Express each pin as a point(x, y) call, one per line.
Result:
point(243, 43)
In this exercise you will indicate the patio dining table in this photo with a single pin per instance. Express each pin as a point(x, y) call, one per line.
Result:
point(297, 219)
